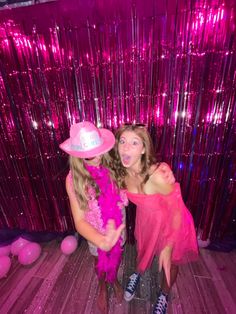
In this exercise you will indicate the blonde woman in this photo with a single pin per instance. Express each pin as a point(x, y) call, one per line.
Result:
point(96, 203)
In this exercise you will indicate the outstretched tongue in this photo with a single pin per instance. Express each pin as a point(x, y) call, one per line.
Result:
point(125, 159)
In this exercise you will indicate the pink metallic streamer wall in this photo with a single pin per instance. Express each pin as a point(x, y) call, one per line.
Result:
point(170, 65)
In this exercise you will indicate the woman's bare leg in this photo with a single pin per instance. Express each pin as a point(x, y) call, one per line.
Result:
point(173, 275)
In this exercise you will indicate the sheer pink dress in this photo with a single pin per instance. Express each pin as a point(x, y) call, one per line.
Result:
point(163, 220)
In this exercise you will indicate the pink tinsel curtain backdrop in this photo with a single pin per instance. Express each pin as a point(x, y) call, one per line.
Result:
point(169, 64)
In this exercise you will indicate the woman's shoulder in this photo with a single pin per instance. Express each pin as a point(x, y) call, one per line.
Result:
point(158, 169)
point(69, 177)
point(69, 182)
point(162, 177)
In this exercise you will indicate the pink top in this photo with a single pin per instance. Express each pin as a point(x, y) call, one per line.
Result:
point(163, 220)
point(93, 214)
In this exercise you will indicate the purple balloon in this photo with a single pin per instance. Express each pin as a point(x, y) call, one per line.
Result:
point(5, 264)
point(5, 250)
point(29, 253)
point(69, 245)
point(17, 245)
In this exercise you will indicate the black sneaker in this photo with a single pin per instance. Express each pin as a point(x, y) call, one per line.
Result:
point(131, 286)
point(161, 304)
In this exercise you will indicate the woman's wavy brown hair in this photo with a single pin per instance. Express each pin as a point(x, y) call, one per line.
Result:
point(147, 160)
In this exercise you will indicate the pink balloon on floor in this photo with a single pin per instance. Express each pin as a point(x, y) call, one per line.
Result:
point(17, 245)
point(5, 250)
point(69, 244)
point(5, 264)
point(29, 253)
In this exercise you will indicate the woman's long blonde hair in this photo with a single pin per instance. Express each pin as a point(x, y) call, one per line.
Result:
point(82, 179)
point(147, 160)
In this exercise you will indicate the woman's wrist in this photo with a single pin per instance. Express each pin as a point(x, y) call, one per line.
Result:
point(103, 245)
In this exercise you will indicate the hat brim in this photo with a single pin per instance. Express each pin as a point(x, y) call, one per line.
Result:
point(108, 142)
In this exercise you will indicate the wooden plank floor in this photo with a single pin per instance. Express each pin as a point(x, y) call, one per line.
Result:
point(56, 283)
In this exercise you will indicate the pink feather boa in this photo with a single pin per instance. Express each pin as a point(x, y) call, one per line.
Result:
point(109, 202)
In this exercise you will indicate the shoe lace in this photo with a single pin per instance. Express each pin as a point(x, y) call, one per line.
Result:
point(133, 280)
point(161, 305)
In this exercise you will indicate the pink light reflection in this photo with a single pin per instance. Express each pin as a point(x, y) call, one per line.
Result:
point(210, 18)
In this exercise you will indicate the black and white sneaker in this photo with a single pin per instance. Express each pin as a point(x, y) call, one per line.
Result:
point(161, 304)
point(131, 286)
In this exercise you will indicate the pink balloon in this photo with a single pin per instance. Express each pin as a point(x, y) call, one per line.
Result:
point(5, 250)
point(17, 245)
point(69, 245)
point(5, 264)
point(29, 253)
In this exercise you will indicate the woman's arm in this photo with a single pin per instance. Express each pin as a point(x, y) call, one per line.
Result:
point(103, 242)
point(162, 179)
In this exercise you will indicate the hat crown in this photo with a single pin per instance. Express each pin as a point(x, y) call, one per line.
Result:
point(84, 136)
point(87, 141)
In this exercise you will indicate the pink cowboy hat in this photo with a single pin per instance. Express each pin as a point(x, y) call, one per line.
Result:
point(87, 141)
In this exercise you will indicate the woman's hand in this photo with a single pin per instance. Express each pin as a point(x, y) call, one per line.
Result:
point(165, 262)
point(111, 236)
point(166, 173)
